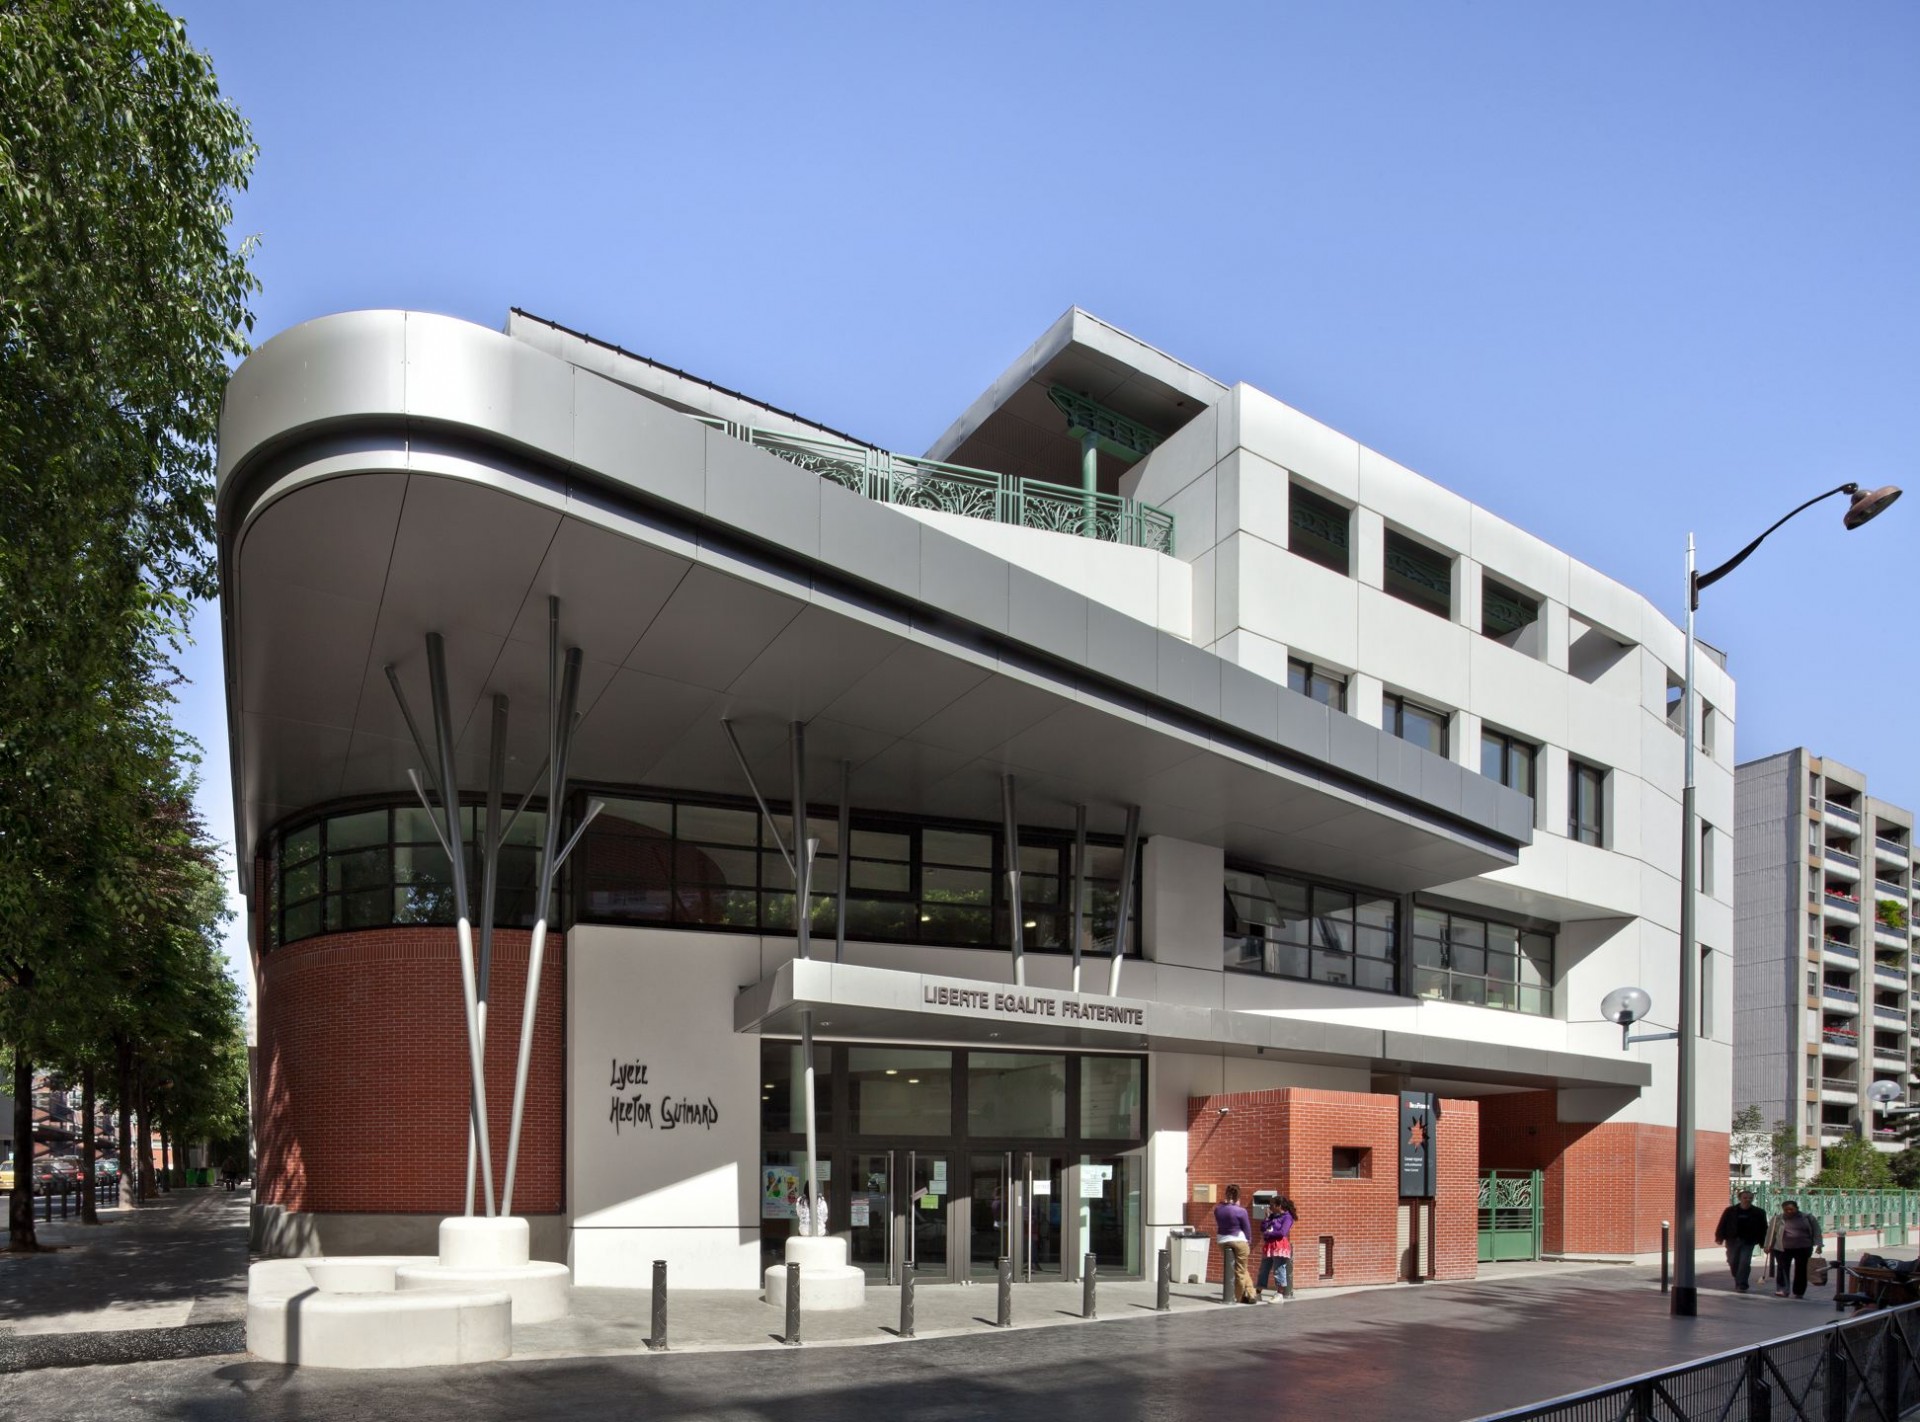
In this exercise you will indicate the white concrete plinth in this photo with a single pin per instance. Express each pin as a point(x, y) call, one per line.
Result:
point(295, 1317)
point(488, 1255)
point(827, 1282)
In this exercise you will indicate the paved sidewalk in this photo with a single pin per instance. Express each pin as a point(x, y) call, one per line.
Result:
point(166, 1280)
point(1434, 1352)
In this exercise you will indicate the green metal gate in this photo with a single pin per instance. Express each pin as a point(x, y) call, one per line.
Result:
point(1509, 1214)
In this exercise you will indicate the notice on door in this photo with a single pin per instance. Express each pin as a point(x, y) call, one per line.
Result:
point(1093, 1181)
point(860, 1214)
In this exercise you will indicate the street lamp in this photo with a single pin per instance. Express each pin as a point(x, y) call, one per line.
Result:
point(1863, 505)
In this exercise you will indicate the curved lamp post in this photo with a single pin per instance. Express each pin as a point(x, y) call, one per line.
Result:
point(1863, 505)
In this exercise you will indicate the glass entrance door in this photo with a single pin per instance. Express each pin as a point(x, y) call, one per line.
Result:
point(991, 1217)
point(1040, 1200)
point(870, 1212)
point(928, 1192)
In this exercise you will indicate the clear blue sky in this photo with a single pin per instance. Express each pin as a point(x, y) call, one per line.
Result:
point(1616, 272)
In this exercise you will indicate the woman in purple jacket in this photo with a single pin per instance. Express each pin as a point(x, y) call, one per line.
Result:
point(1276, 1248)
point(1234, 1229)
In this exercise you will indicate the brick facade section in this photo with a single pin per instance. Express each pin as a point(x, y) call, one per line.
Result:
point(1284, 1140)
point(361, 1073)
point(1608, 1185)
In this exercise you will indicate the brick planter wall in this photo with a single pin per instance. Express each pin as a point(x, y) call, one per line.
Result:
point(361, 1073)
point(1284, 1140)
point(1608, 1184)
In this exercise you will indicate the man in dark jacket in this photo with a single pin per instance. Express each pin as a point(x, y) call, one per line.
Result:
point(1742, 1227)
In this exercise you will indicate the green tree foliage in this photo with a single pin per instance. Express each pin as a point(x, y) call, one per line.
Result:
point(122, 302)
point(1790, 1158)
point(1853, 1164)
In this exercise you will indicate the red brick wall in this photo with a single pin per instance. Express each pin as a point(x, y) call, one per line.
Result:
point(362, 1073)
point(1608, 1185)
point(1284, 1140)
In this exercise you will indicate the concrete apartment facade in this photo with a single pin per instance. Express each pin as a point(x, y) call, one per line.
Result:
point(1397, 783)
point(1823, 895)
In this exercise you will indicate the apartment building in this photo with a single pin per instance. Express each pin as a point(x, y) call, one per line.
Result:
point(1823, 903)
point(1182, 789)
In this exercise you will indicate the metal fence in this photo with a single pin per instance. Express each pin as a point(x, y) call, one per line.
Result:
point(972, 493)
point(1861, 1369)
point(1892, 1212)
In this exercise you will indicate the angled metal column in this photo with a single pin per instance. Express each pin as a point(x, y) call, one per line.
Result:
point(1128, 860)
point(845, 841)
point(803, 945)
point(456, 851)
point(1016, 938)
point(489, 885)
point(1079, 886)
point(563, 691)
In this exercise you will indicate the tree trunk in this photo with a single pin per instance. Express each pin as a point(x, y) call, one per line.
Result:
point(143, 1136)
point(89, 1210)
point(20, 1233)
point(123, 1070)
point(166, 1157)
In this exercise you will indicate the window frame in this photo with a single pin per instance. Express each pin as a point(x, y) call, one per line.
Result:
point(1587, 790)
point(1323, 548)
point(1466, 979)
point(1401, 567)
point(1242, 932)
point(1510, 744)
point(1393, 712)
point(1312, 675)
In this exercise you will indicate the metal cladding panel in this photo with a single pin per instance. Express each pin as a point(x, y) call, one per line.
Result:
point(695, 564)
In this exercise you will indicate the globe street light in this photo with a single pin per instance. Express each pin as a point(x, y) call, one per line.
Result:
point(1864, 504)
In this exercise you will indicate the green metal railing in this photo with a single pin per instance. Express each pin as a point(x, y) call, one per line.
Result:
point(971, 493)
point(1510, 1214)
point(1892, 1212)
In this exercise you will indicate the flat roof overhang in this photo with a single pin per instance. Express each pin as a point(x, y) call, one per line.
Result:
point(856, 1002)
point(384, 475)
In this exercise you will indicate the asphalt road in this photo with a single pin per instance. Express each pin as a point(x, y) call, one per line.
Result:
point(1432, 1352)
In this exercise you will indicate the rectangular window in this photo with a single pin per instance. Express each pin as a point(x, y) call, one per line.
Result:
point(1460, 958)
point(1706, 992)
point(1350, 1162)
point(1329, 688)
point(1292, 928)
point(1706, 858)
point(1586, 803)
point(1508, 760)
point(1507, 614)
point(1709, 729)
point(1418, 574)
point(1319, 530)
point(1424, 726)
point(706, 865)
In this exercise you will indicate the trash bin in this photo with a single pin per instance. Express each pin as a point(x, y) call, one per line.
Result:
point(1189, 1250)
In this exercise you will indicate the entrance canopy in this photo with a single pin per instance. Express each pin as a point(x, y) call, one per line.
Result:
point(385, 475)
point(882, 1004)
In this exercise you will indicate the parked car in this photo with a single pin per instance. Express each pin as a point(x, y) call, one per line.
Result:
point(67, 1169)
point(47, 1180)
point(106, 1174)
point(6, 1173)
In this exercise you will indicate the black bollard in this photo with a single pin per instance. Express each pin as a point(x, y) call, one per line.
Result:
point(1089, 1274)
point(1163, 1288)
point(1226, 1275)
point(793, 1306)
point(659, 1340)
point(906, 1303)
point(1839, 1269)
point(1004, 1318)
point(1666, 1245)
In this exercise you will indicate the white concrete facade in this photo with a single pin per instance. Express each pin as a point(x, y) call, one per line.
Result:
point(1593, 685)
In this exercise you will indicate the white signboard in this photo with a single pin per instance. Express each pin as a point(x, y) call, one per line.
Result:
point(859, 1214)
point(1093, 1181)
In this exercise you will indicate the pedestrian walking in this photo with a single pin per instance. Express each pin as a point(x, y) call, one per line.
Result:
point(1276, 1248)
point(1793, 1238)
point(1742, 1228)
point(1233, 1227)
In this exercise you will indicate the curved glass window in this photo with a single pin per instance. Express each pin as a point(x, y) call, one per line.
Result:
point(374, 868)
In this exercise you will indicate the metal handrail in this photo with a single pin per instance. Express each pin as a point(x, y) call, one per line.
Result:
point(1843, 812)
point(901, 479)
point(1840, 856)
point(1892, 846)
